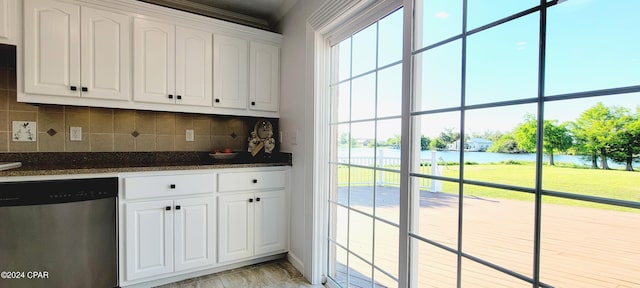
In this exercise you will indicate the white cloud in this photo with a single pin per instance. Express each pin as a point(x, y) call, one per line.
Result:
point(442, 15)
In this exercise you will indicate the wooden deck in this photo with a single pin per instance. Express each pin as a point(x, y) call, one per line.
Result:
point(581, 247)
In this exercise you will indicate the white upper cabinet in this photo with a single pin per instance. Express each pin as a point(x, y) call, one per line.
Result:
point(140, 56)
point(8, 21)
point(246, 75)
point(105, 50)
point(59, 37)
point(52, 48)
point(193, 67)
point(264, 87)
point(230, 75)
point(171, 64)
point(154, 59)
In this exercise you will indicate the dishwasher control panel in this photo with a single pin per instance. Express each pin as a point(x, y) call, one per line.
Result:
point(57, 191)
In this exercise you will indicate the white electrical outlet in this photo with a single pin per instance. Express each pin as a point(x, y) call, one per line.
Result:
point(294, 137)
point(75, 133)
point(190, 137)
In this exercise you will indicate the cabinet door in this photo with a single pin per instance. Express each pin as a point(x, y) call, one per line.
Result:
point(153, 61)
point(193, 67)
point(264, 81)
point(8, 21)
point(270, 222)
point(194, 232)
point(235, 226)
point(149, 239)
point(230, 77)
point(52, 48)
point(105, 54)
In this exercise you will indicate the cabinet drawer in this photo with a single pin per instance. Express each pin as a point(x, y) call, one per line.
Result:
point(238, 181)
point(168, 185)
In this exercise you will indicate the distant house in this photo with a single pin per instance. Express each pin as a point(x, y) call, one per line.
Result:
point(473, 144)
point(363, 141)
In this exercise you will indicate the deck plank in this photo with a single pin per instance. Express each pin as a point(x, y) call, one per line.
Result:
point(581, 247)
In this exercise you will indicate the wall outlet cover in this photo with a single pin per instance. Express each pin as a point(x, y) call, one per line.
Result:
point(25, 131)
point(75, 133)
point(190, 135)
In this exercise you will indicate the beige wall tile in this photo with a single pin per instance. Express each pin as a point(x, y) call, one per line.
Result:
point(16, 146)
point(47, 143)
point(124, 121)
point(183, 122)
point(145, 122)
point(50, 119)
point(237, 143)
point(21, 116)
point(165, 143)
point(165, 124)
point(123, 143)
point(17, 106)
point(78, 146)
point(101, 120)
point(4, 141)
point(102, 142)
point(202, 143)
point(78, 117)
point(4, 121)
point(221, 142)
point(4, 99)
point(218, 126)
point(181, 144)
point(145, 142)
point(51, 108)
point(202, 127)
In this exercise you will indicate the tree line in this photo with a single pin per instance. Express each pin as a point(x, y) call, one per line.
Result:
point(600, 133)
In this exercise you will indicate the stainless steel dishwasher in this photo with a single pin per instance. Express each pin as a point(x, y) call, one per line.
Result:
point(59, 233)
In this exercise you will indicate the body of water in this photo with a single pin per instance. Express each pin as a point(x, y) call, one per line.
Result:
point(477, 157)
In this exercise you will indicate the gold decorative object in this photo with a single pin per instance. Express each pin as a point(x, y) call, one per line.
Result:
point(262, 138)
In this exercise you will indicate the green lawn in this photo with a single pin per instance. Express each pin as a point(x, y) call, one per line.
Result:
point(622, 185)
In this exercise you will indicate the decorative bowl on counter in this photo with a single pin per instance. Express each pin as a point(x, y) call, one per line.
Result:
point(223, 155)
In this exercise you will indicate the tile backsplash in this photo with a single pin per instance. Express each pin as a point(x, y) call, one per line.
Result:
point(111, 130)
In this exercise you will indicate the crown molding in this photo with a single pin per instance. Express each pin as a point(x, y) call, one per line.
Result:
point(214, 12)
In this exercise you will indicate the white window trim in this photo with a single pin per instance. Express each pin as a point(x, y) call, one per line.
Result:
point(333, 22)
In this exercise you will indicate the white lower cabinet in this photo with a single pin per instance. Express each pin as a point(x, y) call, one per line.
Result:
point(149, 241)
point(167, 236)
point(177, 224)
point(194, 222)
point(169, 224)
point(270, 222)
point(251, 224)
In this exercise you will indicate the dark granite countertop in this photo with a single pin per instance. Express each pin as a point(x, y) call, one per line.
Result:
point(61, 163)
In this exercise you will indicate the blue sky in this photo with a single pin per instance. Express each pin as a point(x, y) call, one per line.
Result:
point(591, 45)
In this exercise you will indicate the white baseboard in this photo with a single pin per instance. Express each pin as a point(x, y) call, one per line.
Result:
point(299, 265)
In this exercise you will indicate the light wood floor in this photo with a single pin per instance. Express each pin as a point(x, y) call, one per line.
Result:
point(273, 274)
